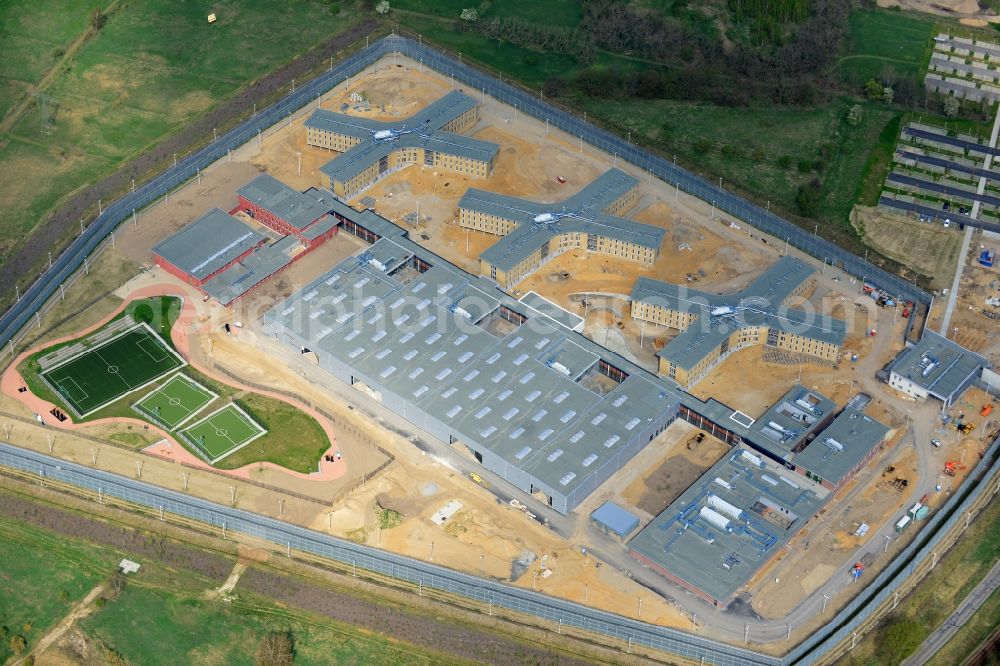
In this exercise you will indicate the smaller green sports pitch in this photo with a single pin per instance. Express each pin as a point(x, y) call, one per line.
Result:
point(222, 432)
point(175, 402)
point(99, 375)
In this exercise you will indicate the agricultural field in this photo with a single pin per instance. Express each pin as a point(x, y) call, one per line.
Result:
point(151, 69)
point(281, 433)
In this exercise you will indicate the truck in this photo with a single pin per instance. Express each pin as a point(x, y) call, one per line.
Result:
point(987, 256)
point(902, 523)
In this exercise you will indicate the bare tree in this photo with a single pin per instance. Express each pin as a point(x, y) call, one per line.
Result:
point(277, 648)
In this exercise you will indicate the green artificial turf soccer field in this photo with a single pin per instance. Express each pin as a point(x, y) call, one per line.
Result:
point(222, 432)
point(176, 401)
point(108, 371)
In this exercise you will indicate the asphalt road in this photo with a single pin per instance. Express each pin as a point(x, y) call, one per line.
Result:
point(965, 610)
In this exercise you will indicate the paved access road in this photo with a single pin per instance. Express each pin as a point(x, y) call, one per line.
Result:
point(965, 610)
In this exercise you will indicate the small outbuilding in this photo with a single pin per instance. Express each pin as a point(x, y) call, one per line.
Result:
point(615, 520)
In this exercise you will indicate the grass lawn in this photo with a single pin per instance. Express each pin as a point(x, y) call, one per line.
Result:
point(42, 576)
point(880, 40)
point(937, 596)
point(160, 625)
point(556, 12)
point(153, 68)
point(294, 439)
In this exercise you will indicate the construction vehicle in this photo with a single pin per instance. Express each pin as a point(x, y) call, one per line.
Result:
point(986, 410)
point(478, 479)
point(951, 466)
point(966, 428)
point(857, 570)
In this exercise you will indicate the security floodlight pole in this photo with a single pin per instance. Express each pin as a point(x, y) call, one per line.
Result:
point(281, 507)
point(38, 320)
point(215, 134)
point(199, 175)
point(788, 632)
point(259, 144)
point(825, 599)
point(232, 495)
point(135, 221)
point(17, 292)
point(298, 154)
point(186, 476)
point(62, 292)
point(293, 85)
point(933, 560)
point(100, 208)
point(746, 633)
point(887, 540)
point(93, 456)
point(694, 621)
point(81, 225)
point(175, 159)
point(86, 266)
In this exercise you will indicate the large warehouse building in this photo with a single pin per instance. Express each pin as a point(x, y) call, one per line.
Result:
point(534, 233)
point(538, 404)
point(227, 257)
point(714, 326)
point(372, 149)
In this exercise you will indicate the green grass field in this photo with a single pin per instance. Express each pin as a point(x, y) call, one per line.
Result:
point(102, 374)
point(881, 41)
point(153, 68)
point(161, 617)
point(42, 576)
point(222, 432)
point(175, 401)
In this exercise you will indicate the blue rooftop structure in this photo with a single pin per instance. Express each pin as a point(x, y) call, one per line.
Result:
point(613, 518)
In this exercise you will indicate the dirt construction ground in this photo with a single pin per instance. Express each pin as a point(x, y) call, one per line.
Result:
point(974, 323)
point(929, 249)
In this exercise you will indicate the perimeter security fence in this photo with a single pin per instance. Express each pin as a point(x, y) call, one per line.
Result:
point(432, 576)
point(491, 593)
point(185, 170)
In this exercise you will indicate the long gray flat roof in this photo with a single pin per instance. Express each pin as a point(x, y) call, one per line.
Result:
point(519, 391)
point(737, 516)
point(573, 322)
point(431, 118)
point(584, 212)
point(209, 243)
point(352, 162)
point(299, 209)
point(937, 364)
point(421, 130)
point(761, 303)
point(841, 445)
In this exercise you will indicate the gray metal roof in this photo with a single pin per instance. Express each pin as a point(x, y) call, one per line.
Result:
point(760, 304)
point(787, 423)
point(514, 393)
point(937, 364)
point(615, 519)
point(542, 305)
point(736, 517)
point(841, 445)
point(421, 130)
point(299, 209)
point(584, 212)
point(209, 243)
point(355, 160)
point(431, 118)
point(250, 271)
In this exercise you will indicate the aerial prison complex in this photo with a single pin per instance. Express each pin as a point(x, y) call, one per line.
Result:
point(514, 380)
point(715, 326)
point(372, 149)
